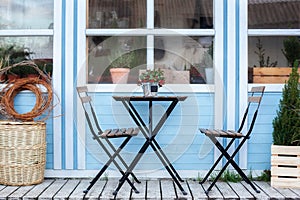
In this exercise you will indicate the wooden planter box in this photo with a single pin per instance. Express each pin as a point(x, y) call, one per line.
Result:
point(269, 74)
point(285, 166)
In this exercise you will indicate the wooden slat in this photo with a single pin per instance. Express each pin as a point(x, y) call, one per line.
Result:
point(186, 189)
point(254, 99)
point(82, 89)
point(258, 89)
point(241, 191)
point(288, 150)
point(226, 190)
point(285, 182)
point(285, 171)
point(38, 189)
point(109, 188)
point(214, 193)
point(7, 191)
point(196, 190)
point(67, 189)
point(141, 187)
point(261, 195)
point(285, 160)
point(287, 193)
point(20, 192)
point(50, 192)
point(78, 192)
point(86, 99)
point(272, 193)
point(153, 190)
point(167, 189)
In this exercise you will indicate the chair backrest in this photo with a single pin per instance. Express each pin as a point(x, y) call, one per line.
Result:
point(254, 101)
point(89, 111)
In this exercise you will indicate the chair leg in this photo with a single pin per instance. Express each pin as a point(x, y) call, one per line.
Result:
point(230, 160)
point(216, 163)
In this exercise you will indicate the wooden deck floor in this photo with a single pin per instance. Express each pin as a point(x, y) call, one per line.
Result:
point(59, 189)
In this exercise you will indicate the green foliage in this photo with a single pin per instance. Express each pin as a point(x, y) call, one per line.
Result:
point(261, 56)
point(122, 60)
point(265, 176)
point(291, 49)
point(228, 176)
point(286, 125)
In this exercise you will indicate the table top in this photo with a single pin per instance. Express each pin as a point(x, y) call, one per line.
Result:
point(149, 98)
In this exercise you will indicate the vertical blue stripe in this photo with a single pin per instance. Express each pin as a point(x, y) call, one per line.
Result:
point(75, 153)
point(63, 66)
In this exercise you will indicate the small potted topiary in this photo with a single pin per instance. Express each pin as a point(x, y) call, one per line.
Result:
point(286, 135)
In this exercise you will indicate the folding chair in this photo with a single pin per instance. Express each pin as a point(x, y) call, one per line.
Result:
point(106, 135)
point(253, 101)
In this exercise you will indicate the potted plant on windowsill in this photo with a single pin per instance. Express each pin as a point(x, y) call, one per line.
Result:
point(151, 80)
point(285, 150)
point(120, 65)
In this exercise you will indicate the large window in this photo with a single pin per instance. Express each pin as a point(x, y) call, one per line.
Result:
point(274, 44)
point(22, 36)
point(147, 34)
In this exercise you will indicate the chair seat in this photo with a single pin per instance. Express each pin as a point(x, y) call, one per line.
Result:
point(221, 133)
point(122, 132)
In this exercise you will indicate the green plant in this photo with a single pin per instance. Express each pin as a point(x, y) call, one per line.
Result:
point(228, 176)
point(153, 76)
point(291, 49)
point(11, 54)
point(261, 56)
point(286, 125)
point(122, 60)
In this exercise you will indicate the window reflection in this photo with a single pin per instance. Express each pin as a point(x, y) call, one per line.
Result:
point(16, 14)
point(184, 14)
point(268, 14)
point(116, 14)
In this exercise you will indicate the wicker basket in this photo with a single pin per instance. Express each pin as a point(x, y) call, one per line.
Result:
point(22, 152)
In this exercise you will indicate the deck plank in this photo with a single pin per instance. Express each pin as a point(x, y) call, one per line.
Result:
point(96, 190)
point(35, 192)
point(226, 190)
point(78, 192)
point(186, 189)
point(261, 195)
point(66, 190)
point(241, 191)
point(272, 192)
point(214, 193)
point(141, 187)
point(287, 193)
point(20, 192)
point(50, 192)
point(7, 191)
point(197, 191)
point(153, 190)
point(167, 189)
point(109, 188)
point(72, 189)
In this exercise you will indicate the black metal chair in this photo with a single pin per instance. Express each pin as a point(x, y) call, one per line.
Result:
point(106, 135)
point(253, 101)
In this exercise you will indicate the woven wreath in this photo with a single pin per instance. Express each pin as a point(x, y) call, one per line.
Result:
point(35, 85)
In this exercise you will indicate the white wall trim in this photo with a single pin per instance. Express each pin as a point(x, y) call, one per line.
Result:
point(56, 82)
point(81, 80)
point(243, 75)
point(68, 82)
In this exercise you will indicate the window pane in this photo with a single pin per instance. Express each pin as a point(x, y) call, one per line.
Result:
point(268, 14)
point(116, 14)
point(183, 14)
point(16, 14)
point(16, 49)
point(186, 59)
point(269, 56)
point(115, 52)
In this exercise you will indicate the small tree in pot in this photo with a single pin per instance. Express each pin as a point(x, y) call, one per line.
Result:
point(286, 135)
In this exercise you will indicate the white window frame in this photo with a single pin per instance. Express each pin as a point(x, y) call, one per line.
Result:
point(56, 81)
